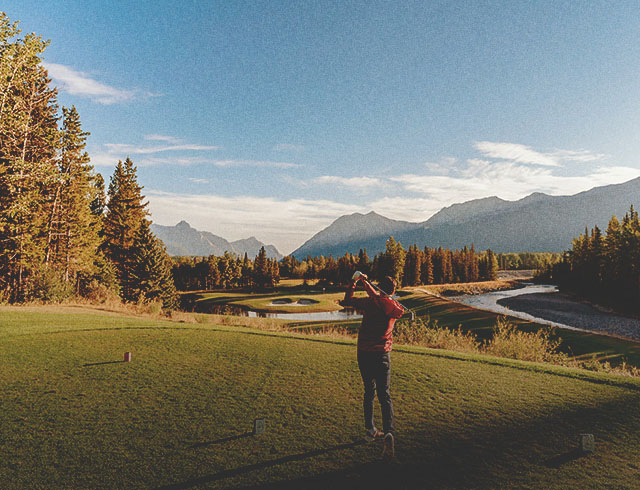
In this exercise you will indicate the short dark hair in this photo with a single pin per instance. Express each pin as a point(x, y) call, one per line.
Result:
point(388, 285)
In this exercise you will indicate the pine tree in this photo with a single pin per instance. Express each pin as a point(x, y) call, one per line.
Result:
point(126, 213)
point(150, 275)
point(261, 269)
point(364, 264)
point(412, 267)
point(392, 261)
point(73, 226)
point(426, 276)
point(28, 145)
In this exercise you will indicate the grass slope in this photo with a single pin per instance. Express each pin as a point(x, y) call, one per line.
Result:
point(178, 416)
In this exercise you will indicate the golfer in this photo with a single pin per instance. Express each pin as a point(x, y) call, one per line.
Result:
point(379, 314)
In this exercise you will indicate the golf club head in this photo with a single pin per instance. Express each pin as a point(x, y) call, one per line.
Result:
point(356, 275)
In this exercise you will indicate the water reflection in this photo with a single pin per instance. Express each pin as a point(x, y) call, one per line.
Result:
point(318, 316)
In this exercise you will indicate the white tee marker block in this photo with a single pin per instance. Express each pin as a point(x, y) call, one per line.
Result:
point(127, 357)
point(259, 426)
point(587, 443)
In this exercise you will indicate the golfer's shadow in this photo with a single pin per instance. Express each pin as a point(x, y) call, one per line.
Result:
point(201, 480)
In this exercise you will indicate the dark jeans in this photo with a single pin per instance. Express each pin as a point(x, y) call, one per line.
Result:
point(375, 368)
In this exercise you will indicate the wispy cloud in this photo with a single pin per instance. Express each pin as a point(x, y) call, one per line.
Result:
point(518, 153)
point(141, 150)
point(443, 167)
point(578, 156)
point(253, 163)
point(359, 183)
point(161, 137)
point(79, 83)
point(288, 147)
point(198, 181)
point(515, 152)
point(284, 223)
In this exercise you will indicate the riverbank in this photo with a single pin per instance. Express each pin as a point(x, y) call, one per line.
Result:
point(561, 308)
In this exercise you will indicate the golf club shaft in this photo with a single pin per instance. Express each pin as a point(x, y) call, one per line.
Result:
point(389, 296)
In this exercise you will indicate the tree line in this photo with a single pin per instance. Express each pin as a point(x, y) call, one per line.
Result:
point(604, 267)
point(60, 235)
point(225, 272)
point(527, 260)
point(411, 267)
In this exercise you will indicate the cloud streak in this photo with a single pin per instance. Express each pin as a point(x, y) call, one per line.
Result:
point(359, 183)
point(136, 150)
point(515, 152)
point(253, 163)
point(81, 84)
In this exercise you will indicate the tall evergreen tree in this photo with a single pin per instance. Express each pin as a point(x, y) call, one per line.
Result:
point(391, 262)
point(126, 213)
point(150, 275)
point(72, 234)
point(28, 145)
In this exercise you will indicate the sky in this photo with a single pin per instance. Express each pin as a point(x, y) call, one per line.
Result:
point(274, 118)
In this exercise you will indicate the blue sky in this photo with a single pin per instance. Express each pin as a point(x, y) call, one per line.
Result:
point(273, 118)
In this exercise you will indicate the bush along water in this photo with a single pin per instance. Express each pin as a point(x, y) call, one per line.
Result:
point(507, 342)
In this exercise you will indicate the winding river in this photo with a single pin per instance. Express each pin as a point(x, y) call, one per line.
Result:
point(544, 304)
point(489, 302)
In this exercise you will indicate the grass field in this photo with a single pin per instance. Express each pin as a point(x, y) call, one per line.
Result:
point(180, 414)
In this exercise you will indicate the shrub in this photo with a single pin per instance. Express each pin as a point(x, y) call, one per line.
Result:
point(426, 333)
point(99, 293)
point(512, 343)
point(48, 285)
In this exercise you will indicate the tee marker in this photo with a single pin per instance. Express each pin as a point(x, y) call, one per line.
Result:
point(127, 357)
point(259, 426)
point(587, 443)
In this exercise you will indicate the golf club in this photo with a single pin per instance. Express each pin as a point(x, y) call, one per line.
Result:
point(358, 274)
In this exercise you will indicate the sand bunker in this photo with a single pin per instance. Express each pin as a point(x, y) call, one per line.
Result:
point(289, 302)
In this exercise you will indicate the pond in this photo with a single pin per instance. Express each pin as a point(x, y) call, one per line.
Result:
point(317, 316)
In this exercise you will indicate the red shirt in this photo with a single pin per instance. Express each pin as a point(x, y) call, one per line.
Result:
point(379, 315)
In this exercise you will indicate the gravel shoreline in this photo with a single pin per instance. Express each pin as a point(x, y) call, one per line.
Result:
point(559, 308)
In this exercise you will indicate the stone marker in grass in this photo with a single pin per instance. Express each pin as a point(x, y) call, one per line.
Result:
point(587, 443)
point(259, 426)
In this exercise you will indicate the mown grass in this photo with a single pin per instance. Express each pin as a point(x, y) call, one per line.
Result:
point(178, 415)
point(263, 302)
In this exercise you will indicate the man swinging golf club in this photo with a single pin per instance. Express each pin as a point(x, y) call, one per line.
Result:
point(379, 314)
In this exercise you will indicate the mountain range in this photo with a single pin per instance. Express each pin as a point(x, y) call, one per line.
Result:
point(182, 239)
point(536, 223)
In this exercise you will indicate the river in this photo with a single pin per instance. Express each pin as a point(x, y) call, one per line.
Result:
point(544, 304)
point(489, 302)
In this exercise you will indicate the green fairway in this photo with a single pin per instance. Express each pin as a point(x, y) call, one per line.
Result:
point(272, 302)
point(180, 414)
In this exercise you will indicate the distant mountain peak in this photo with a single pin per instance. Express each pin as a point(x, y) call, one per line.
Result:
point(183, 239)
point(536, 223)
